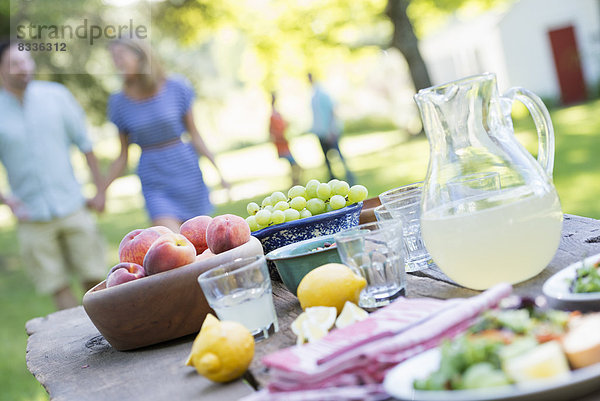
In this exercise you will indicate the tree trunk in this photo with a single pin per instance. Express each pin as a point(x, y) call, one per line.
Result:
point(405, 40)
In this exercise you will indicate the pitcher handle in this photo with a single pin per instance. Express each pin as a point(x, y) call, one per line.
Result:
point(543, 125)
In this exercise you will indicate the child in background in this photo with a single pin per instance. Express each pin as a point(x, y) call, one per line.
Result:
point(277, 127)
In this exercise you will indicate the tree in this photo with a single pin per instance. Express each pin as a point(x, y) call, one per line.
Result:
point(405, 40)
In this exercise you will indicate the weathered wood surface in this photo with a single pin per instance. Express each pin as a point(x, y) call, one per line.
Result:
point(68, 356)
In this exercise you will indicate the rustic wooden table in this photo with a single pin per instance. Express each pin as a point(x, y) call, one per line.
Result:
point(70, 358)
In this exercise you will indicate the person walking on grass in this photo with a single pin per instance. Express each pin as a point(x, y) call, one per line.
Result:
point(326, 126)
point(153, 111)
point(277, 127)
point(40, 121)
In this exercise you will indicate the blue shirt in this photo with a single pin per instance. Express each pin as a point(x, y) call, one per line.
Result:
point(155, 120)
point(324, 122)
point(35, 142)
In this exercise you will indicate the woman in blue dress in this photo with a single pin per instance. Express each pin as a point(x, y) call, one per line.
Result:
point(153, 111)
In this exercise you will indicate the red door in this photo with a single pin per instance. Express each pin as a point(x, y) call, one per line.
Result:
point(568, 65)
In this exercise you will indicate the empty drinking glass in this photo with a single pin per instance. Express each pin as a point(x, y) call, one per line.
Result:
point(374, 251)
point(404, 203)
point(407, 209)
point(400, 192)
point(381, 213)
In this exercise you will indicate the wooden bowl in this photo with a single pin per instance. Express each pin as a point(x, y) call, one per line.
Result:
point(366, 214)
point(156, 308)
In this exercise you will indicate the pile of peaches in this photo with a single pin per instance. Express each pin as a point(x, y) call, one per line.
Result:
point(153, 250)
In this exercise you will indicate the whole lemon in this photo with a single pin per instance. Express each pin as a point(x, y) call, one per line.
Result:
point(222, 351)
point(330, 285)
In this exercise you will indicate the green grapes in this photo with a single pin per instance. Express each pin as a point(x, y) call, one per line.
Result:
point(298, 203)
point(315, 206)
point(282, 205)
point(311, 189)
point(304, 213)
point(337, 202)
point(252, 208)
point(277, 217)
point(323, 191)
point(357, 193)
point(263, 217)
point(277, 197)
point(340, 188)
point(291, 214)
point(302, 202)
point(251, 220)
point(297, 190)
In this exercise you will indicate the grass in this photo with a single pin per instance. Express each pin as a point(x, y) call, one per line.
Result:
point(380, 161)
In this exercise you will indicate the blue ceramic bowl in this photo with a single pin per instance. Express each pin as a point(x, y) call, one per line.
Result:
point(294, 261)
point(310, 227)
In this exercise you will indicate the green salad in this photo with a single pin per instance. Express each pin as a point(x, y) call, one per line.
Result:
point(587, 279)
point(494, 351)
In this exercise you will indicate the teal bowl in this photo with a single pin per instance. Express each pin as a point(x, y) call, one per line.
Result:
point(294, 261)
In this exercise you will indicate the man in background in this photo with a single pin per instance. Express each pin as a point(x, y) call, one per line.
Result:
point(326, 126)
point(57, 235)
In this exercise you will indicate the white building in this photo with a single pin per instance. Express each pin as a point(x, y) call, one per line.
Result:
point(551, 47)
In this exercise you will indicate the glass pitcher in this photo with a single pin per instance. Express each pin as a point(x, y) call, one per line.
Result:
point(490, 212)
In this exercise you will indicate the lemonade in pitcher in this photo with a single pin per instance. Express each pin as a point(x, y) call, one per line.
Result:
point(489, 210)
point(511, 242)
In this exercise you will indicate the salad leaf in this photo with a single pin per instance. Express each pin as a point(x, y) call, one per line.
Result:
point(475, 359)
point(587, 279)
point(482, 375)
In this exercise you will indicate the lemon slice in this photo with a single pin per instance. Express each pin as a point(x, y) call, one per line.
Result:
point(350, 315)
point(297, 324)
point(318, 321)
point(314, 323)
point(297, 328)
point(312, 331)
point(323, 316)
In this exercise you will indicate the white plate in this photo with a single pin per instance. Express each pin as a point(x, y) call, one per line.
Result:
point(556, 288)
point(398, 383)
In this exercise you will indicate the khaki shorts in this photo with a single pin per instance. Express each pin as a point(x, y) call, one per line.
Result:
point(54, 251)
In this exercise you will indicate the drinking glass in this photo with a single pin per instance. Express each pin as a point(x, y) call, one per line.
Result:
point(406, 206)
point(374, 251)
point(381, 213)
point(400, 192)
point(241, 291)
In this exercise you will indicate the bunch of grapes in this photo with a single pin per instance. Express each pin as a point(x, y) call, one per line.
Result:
point(301, 202)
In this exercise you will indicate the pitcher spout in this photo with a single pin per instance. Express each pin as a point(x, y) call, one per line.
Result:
point(454, 112)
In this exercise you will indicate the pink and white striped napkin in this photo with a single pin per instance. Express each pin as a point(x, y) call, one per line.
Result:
point(351, 363)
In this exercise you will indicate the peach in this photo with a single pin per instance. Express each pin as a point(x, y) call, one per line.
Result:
point(168, 252)
point(124, 272)
point(204, 255)
point(134, 245)
point(194, 229)
point(226, 232)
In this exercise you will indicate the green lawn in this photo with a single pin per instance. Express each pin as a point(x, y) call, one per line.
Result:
point(390, 160)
